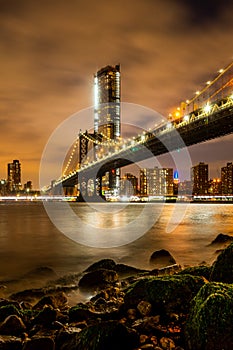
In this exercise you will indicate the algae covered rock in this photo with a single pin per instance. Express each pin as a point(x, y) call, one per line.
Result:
point(80, 312)
point(203, 271)
point(8, 310)
point(210, 323)
point(222, 270)
point(166, 294)
point(106, 335)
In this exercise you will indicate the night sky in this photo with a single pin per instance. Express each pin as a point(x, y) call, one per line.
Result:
point(50, 49)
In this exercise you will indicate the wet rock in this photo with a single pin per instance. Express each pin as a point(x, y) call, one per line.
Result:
point(167, 270)
point(106, 335)
point(67, 339)
point(147, 325)
point(127, 270)
point(98, 279)
point(222, 238)
point(12, 325)
point(80, 312)
point(39, 343)
point(222, 270)
point(166, 294)
point(8, 310)
point(132, 314)
point(162, 258)
point(29, 295)
point(210, 323)
point(203, 271)
point(43, 272)
point(10, 343)
point(58, 300)
point(46, 316)
point(144, 307)
point(6, 302)
point(167, 343)
point(107, 264)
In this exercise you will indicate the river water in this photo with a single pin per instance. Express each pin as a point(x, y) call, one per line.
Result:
point(29, 239)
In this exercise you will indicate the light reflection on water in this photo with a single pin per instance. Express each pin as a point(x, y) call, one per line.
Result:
point(28, 238)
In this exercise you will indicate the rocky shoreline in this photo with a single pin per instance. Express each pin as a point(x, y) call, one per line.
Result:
point(128, 308)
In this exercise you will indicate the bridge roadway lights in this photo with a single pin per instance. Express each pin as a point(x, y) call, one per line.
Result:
point(199, 130)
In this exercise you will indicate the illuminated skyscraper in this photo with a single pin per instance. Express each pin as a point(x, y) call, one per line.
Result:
point(227, 179)
point(107, 83)
point(199, 178)
point(156, 181)
point(107, 89)
point(14, 176)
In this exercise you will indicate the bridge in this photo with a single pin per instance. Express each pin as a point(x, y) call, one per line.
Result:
point(208, 115)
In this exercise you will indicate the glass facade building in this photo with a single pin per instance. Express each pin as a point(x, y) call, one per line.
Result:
point(107, 89)
point(14, 176)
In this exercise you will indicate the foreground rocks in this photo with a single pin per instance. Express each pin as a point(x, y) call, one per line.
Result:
point(129, 309)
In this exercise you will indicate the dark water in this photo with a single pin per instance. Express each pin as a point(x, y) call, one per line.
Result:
point(28, 239)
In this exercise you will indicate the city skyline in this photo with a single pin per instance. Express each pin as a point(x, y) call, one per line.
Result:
point(167, 51)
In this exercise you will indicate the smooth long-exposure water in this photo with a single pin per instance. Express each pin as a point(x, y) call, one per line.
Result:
point(28, 239)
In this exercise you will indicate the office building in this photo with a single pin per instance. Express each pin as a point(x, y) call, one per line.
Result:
point(227, 179)
point(199, 178)
point(107, 102)
point(107, 124)
point(129, 185)
point(215, 187)
point(156, 181)
point(14, 176)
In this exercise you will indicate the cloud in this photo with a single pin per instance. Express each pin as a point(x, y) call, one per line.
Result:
point(50, 51)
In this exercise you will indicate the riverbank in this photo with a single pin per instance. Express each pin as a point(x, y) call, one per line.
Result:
point(126, 307)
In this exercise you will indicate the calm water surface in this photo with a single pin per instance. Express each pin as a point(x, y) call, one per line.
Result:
point(28, 239)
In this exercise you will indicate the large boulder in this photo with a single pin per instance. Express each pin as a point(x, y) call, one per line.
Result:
point(166, 294)
point(222, 239)
point(39, 343)
point(58, 300)
point(222, 270)
point(80, 312)
point(8, 310)
point(210, 323)
point(46, 316)
point(105, 335)
point(12, 325)
point(40, 273)
point(161, 258)
point(107, 264)
point(10, 343)
point(98, 279)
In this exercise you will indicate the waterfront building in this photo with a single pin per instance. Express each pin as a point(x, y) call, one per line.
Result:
point(14, 176)
point(176, 182)
point(107, 90)
point(215, 187)
point(185, 188)
point(3, 187)
point(27, 187)
point(199, 178)
point(227, 179)
point(129, 185)
point(156, 181)
point(107, 124)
